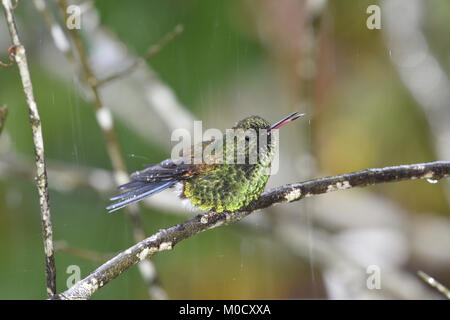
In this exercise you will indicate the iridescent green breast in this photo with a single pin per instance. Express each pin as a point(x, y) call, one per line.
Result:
point(241, 175)
point(226, 187)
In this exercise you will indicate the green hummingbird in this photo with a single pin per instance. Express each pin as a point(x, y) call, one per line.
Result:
point(213, 183)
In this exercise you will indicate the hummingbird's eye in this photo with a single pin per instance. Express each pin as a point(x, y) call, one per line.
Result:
point(247, 138)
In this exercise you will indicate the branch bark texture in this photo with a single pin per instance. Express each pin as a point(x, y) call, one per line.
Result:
point(106, 124)
point(3, 115)
point(166, 239)
point(41, 173)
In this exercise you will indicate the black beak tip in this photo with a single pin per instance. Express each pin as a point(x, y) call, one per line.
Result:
point(297, 115)
point(289, 118)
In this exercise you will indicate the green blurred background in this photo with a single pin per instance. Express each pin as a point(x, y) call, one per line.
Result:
point(234, 58)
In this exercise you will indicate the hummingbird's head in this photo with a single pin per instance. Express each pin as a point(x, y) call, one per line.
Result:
point(259, 142)
point(252, 122)
point(256, 122)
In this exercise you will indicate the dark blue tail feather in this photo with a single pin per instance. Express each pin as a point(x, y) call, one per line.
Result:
point(139, 191)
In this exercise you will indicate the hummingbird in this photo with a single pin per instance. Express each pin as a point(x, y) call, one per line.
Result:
point(212, 184)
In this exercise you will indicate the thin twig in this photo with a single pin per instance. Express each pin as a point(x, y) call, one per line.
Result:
point(90, 255)
point(11, 54)
point(106, 123)
point(435, 284)
point(153, 50)
point(159, 96)
point(9, 64)
point(166, 239)
point(41, 174)
point(59, 37)
point(3, 115)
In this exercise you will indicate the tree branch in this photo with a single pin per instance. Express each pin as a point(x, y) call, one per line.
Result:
point(434, 284)
point(41, 174)
point(106, 124)
point(92, 256)
point(166, 239)
point(3, 115)
point(153, 50)
point(59, 37)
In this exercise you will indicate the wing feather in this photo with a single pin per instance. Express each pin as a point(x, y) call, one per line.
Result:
point(153, 179)
point(138, 194)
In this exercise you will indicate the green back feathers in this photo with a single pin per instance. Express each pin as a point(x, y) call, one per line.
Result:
point(231, 186)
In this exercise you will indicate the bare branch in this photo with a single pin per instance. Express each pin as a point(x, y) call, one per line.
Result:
point(160, 98)
point(153, 50)
point(57, 33)
point(41, 174)
point(435, 284)
point(3, 115)
point(11, 52)
point(106, 124)
point(166, 239)
point(90, 255)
